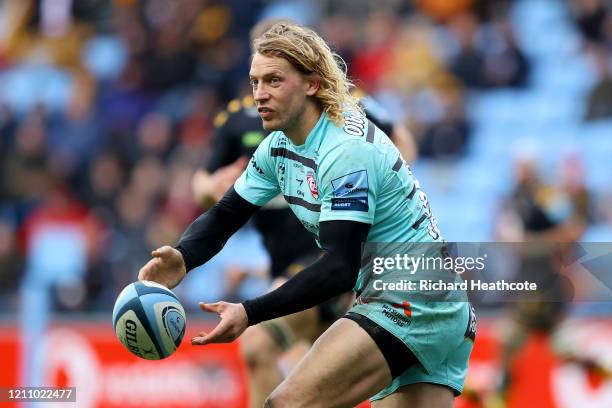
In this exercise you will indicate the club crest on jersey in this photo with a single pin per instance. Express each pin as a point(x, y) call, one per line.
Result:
point(312, 184)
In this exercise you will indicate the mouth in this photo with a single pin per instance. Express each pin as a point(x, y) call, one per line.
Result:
point(265, 112)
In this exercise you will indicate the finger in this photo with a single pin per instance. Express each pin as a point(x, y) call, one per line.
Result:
point(217, 335)
point(197, 340)
point(211, 307)
point(161, 252)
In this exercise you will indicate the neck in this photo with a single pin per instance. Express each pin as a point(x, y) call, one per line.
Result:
point(304, 125)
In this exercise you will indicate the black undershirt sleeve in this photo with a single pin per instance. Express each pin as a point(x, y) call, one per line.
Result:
point(209, 232)
point(331, 275)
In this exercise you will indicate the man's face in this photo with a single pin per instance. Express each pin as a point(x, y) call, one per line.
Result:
point(280, 92)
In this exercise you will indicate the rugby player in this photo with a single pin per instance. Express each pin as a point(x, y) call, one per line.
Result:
point(357, 190)
point(270, 349)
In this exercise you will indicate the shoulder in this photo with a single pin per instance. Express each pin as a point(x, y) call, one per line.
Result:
point(347, 154)
point(352, 137)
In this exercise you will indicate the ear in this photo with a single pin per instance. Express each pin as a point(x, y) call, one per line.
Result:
point(313, 84)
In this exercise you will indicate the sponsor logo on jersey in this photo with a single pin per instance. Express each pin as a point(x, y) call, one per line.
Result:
point(312, 184)
point(405, 306)
point(350, 192)
point(400, 319)
point(354, 124)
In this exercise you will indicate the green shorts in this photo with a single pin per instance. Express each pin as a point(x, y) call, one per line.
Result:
point(451, 372)
point(440, 335)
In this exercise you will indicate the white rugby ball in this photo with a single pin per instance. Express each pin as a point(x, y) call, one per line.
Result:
point(149, 320)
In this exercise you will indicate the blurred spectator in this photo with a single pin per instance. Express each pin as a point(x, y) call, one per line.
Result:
point(155, 136)
point(50, 31)
point(25, 173)
point(573, 185)
point(8, 125)
point(178, 205)
point(372, 58)
point(442, 10)
point(60, 238)
point(467, 61)
point(505, 64)
point(608, 31)
point(11, 265)
point(196, 126)
point(416, 62)
point(542, 217)
point(128, 249)
point(122, 104)
point(448, 136)
point(106, 177)
point(599, 102)
point(169, 62)
point(486, 55)
point(536, 211)
point(339, 31)
point(603, 208)
point(591, 16)
point(75, 135)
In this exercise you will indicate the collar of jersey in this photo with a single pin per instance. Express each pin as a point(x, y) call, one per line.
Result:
point(313, 138)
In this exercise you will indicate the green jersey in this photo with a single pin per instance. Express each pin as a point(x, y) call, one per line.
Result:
point(355, 173)
point(352, 173)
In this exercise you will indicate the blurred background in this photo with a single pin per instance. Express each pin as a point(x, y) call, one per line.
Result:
point(108, 107)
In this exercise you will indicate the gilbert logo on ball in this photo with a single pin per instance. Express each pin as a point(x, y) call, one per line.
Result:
point(149, 320)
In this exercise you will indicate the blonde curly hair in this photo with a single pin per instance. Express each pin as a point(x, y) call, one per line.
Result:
point(307, 52)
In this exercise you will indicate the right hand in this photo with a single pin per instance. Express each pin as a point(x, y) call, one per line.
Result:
point(167, 267)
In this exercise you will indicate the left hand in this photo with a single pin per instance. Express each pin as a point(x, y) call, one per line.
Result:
point(233, 322)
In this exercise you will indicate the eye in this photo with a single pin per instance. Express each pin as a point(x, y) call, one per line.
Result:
point(275, 81)
point(253, 83)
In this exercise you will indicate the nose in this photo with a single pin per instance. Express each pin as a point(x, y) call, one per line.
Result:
point(260, 93)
